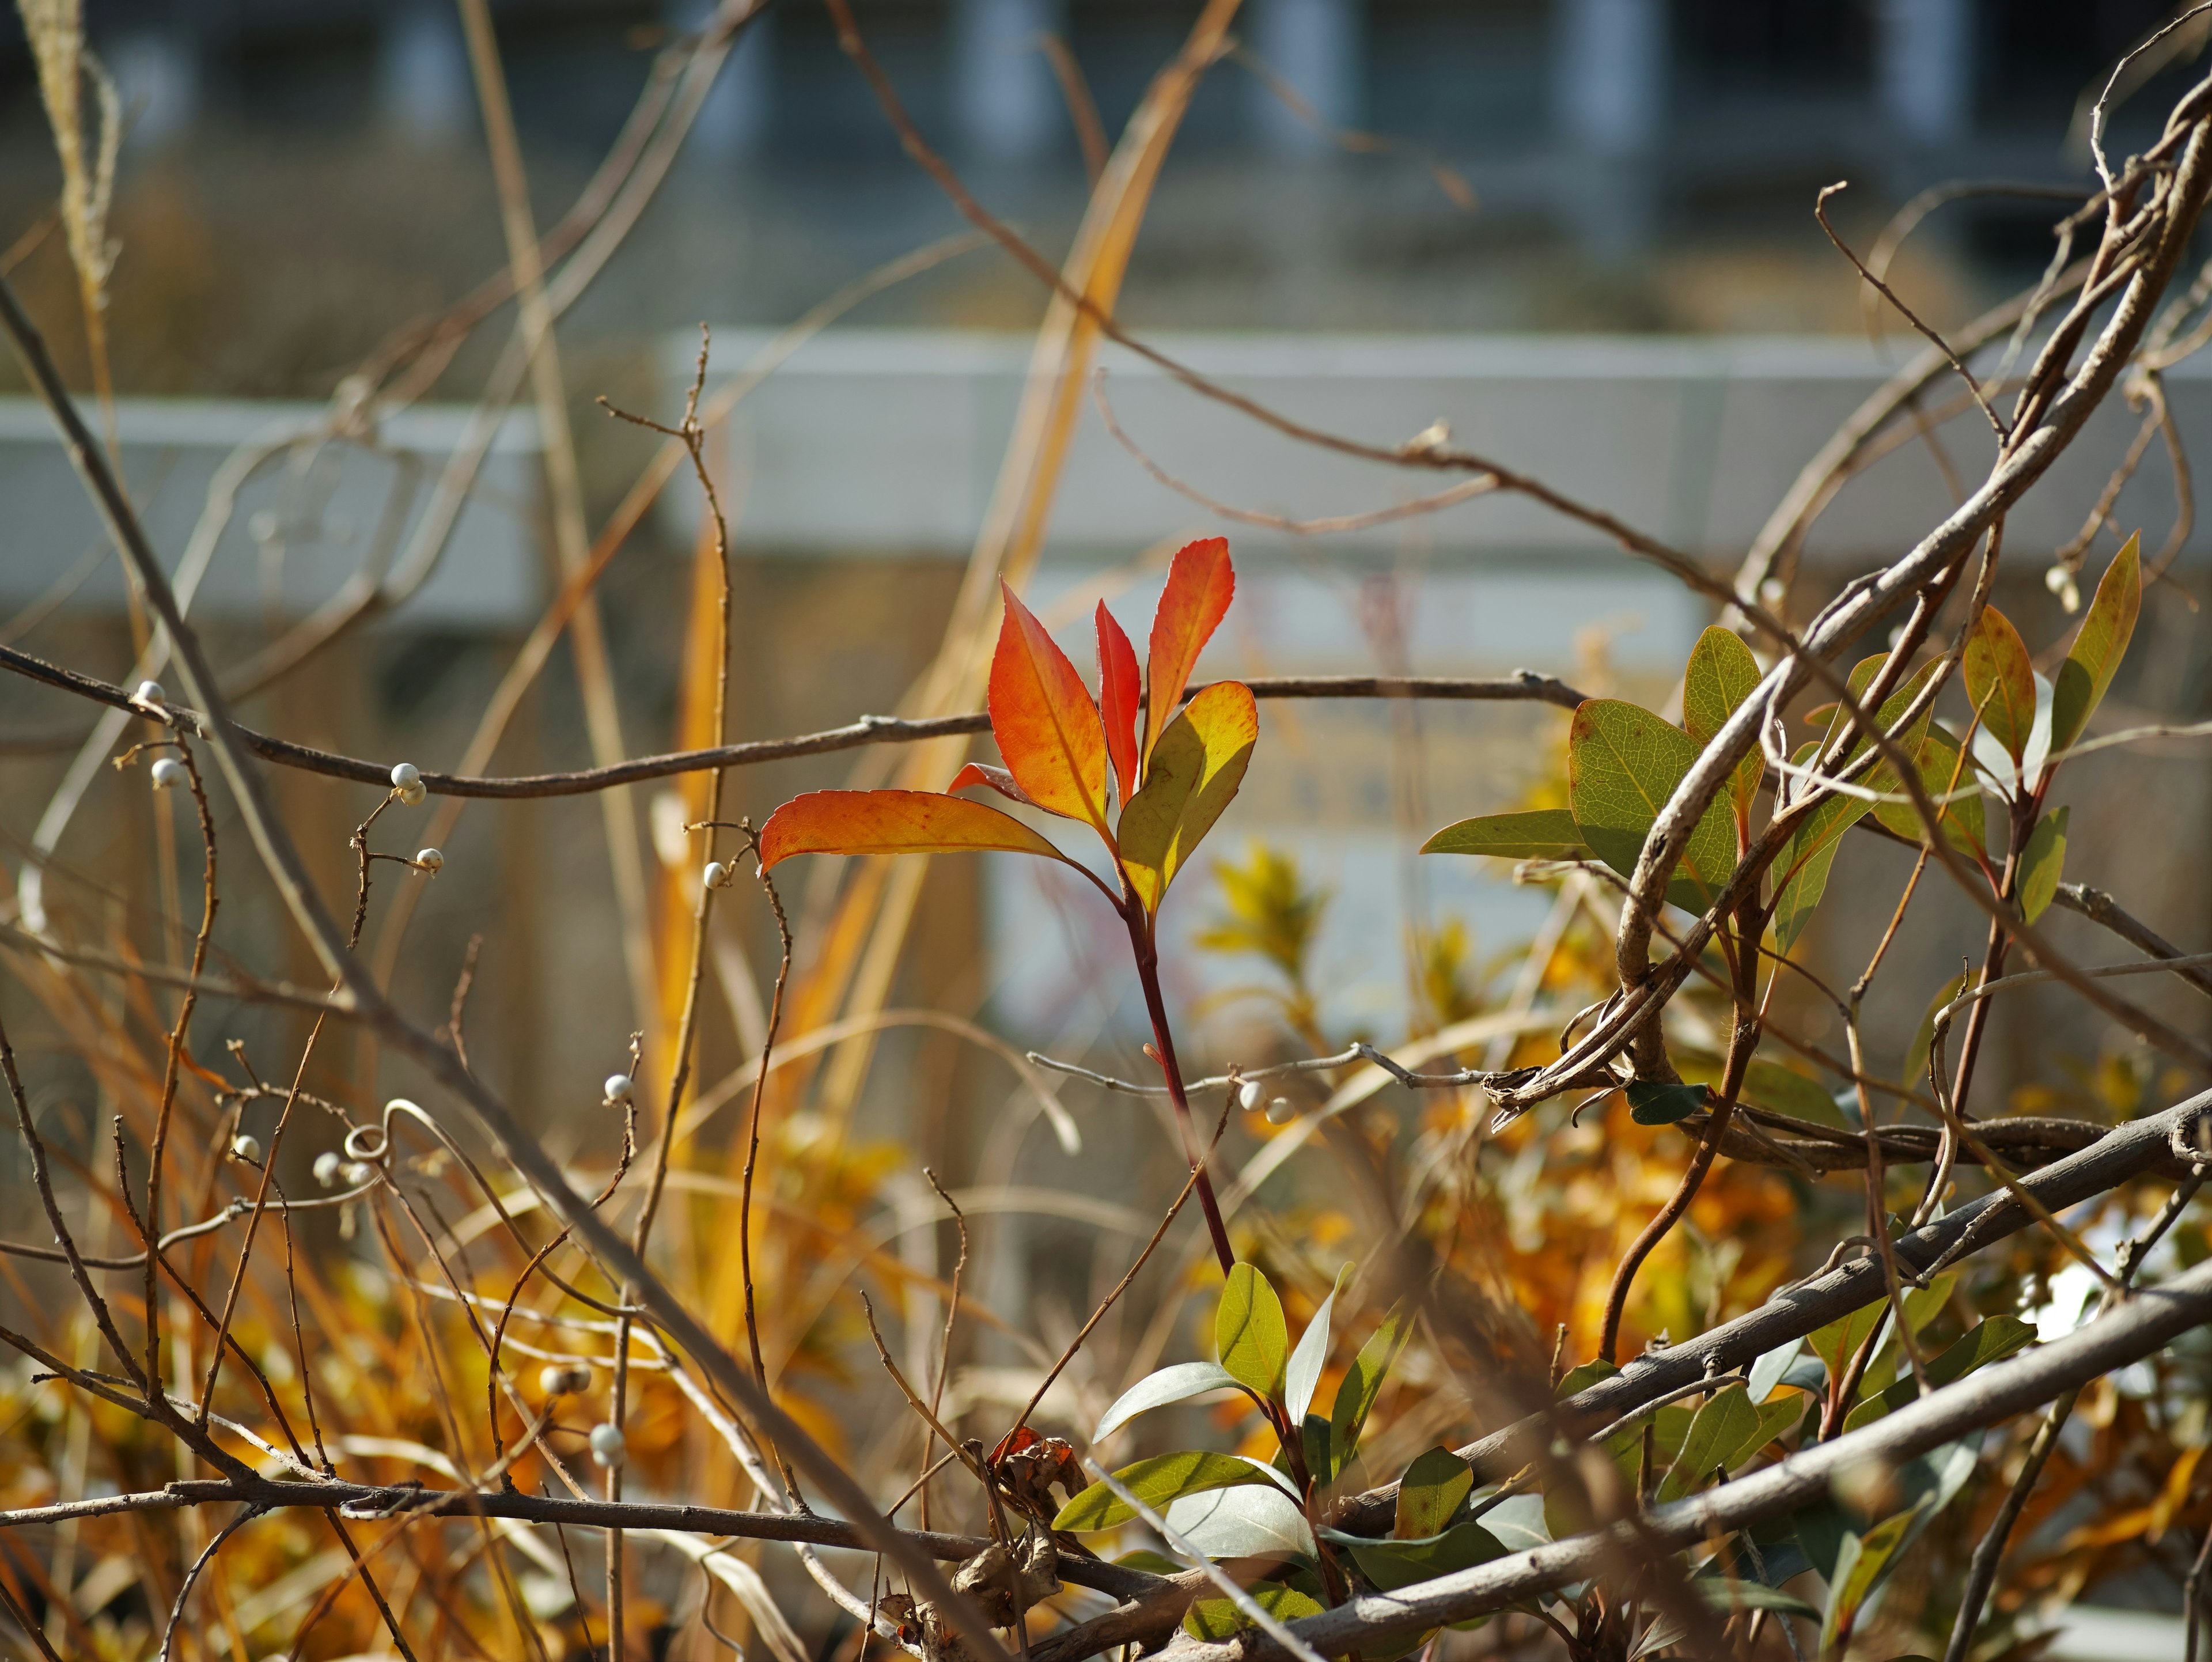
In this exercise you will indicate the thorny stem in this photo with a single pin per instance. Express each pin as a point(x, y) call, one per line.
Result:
point(1148, 974)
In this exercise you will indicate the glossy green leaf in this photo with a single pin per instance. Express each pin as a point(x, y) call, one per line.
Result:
point(1623, 762)
point(2000, 682)
point(1246, 1522)
point(1766, 1372)
point(1169, 1384)
point(1363, 1383)
point(1860, 1567)
point(1429, 1493)
point(1249, 1333)
point(1158, 1482)
point(2042, 864)
point(1538, 834)
point(1923, 1039)
point(1191, 775)
point(1650, 1103)
point(1943, 772)
point(1721, 1425)
point(2098, 646)
point(1218, 1618)
point(1302, 1372)
point(1839, 1342)
point(1397, 1562)
point(1985, 1342)
point(1773, 1419)
point(1721, 675)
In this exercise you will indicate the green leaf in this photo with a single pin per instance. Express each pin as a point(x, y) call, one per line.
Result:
point(1170, 1385)
point(1924, 1040)
point(1943, 771)
point(1987, 1342)
point(2000, 682)
point(1839, 1340)
point(2098, 646)
point(1650, 1103)
point(1771, 1085)
point(1430, 1492)
point(1396, 1563)
point(1767, 1370)
point(1362, 1385)
point(1726, 1418)
point(1249, 1333)
point(1218, 1618)
point(1564, 1511)
point(1243, 1523)
point(1774, 1419)
point(1583, 1375)
point(1724, 1594)
point(1860, 1567)
point(1623, 762)
point(2041, 865)
point(1539, 834)
point(1158, 1480)
point(1722, 674)
point(1157, 1562)
point(1302, 1372)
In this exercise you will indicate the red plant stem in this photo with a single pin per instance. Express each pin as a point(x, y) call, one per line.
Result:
point(1148, 973)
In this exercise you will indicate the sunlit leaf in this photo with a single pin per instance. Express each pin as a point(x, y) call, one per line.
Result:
point(1402, 1561)
point(1177, 1384)
point(1245, 1522)
point(1839, 1342)
point(1430, 1492)
point(996, 778)
point(1538, 834)
point(1048, 728)
point(2041, 865)
point(1362, 1385)
point(1200, 584)
point(2098, 646)
point(2000, 682)
point(1158, 1482)
point(1651, 1102)
point(1194, 772)
point(1721, 675)
point(1722, 1424)
point(1766, 1372)
point(1302, 1373)
point(1623, 762)
point(893, 822)
point(1987, 1342)
point(1860, 1567)
point(1583, 1375)
point(1249, 1333)
point(1774, 1419)
point(1217, 1619)
point(1119, 693)
point(1942, 773)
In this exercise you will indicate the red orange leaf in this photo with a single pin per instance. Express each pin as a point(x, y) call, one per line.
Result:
point(1118, 694)
point(1047, 727)
point(892, 822)
point(1195, 770)
point(983, 773)
point(1200, 584)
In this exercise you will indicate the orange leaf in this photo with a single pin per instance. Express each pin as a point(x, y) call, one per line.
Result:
point(1047, 727)
point(1201, 585)
point(983, 773)
point(1195, 770)
point(893, 822)
point(1118, 693)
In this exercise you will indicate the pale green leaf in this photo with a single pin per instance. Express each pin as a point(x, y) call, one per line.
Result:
point(2042, 864)
point(1539, 834)
point(1721, 1425)
point(2098, 646)
point(1943, 770)
point(2000, 682)
point(1985, 1342)
point(1397, 1562)
point(1302, 1372)
point(1243, 1523)
point(1170, 1385)
point(1362, 1385)
point(1250, 1334)
point(1721, 675)
point(1860, 1567)
point(1158, 1482)
point(1623, 762)
point(1430, 1492)
point(1217, 1619)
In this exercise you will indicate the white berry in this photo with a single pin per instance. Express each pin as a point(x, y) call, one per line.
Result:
point(168, 773)
point(618, 1088)
point(565, 1379)
point(327, 1165)
point(246, 1147)
point(149, 692)
point(404, 775)
point(357, 1173)
point(1249, 1096)
point(430, 860)
point(1280, 1112)
point(412, 795)
point(608, 1447)
point(715, 875)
